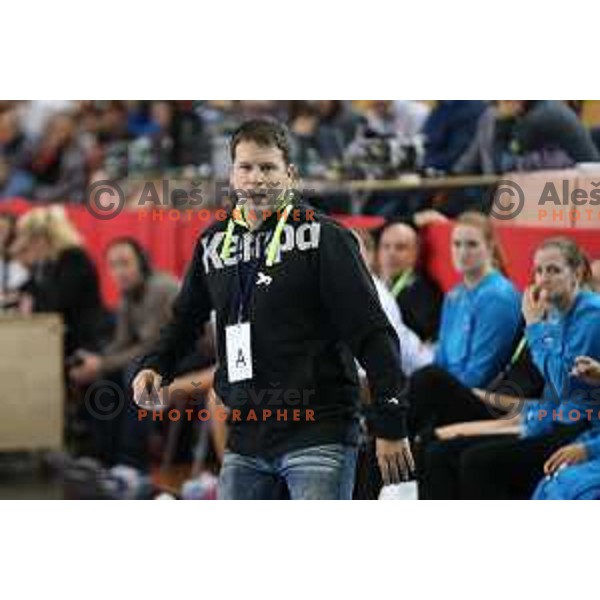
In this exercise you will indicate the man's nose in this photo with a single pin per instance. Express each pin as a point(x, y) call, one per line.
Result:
point(256, 177)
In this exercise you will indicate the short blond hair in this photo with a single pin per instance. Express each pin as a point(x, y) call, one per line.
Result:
point(52, 223)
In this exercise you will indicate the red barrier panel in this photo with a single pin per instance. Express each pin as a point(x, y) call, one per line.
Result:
point(518, 245)
point(170, 241)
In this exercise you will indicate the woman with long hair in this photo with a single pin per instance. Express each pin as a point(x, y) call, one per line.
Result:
point(480, 329)
point(64, 278)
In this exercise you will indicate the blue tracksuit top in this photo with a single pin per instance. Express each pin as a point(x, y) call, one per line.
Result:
point(554, 344)
point(479, 329)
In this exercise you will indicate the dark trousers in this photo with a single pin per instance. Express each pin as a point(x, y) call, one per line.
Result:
point(117, 436)
point(489, 467)
point(438, 398)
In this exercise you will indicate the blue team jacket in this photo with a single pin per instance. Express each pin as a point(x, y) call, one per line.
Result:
point(478, 330)
point(554, 345)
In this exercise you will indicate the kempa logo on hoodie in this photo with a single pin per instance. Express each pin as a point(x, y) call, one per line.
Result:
point(304, 237)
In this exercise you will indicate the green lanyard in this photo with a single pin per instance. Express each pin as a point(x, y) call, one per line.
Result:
point(276, 241)
point(402, 282)
point(274, 244)
point(517, 354)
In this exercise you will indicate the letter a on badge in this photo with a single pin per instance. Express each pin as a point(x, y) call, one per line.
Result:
point(239, 352)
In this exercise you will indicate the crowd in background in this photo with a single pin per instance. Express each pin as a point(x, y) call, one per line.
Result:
point(50, 150)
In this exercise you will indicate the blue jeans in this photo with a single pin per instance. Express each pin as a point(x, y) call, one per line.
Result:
point(323, 472)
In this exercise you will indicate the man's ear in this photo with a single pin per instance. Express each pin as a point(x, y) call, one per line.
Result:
point(293, 173)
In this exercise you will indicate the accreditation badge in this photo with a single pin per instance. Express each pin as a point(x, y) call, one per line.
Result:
point(239, 353)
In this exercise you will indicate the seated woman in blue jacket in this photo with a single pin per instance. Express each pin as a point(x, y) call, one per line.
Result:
point(480, 328)
point(563, 335)
point(577, 476)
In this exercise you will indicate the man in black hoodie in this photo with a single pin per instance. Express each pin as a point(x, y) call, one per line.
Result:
point(294, 304)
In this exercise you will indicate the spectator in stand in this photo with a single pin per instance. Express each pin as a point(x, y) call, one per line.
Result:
point(396, 118)
point(547, 134)
point(111, 138)
point(411, 116)
point(339, 118)
point(139, 122)
point(315, 148)
point(388, 142)
point(152, 150)
point(449, 130)
point(527, 135)
point(146, 298)
point(549, 125)
point(13, 275)
point(172, 135)
point(485, 153)
point(258, 109)
point(36, 115)
point(191, 139)
point(64, 278)
point(418, 298)
point(12, 145)
point(54, 168)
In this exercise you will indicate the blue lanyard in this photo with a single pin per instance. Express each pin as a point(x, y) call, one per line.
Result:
point(243, 292)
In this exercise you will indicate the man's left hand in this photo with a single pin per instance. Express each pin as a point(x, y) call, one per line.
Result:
point(395, 460)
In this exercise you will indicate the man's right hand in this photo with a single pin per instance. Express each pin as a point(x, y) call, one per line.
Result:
point(146, 387)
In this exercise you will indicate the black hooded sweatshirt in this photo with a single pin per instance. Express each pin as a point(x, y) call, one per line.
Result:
point(311, 312)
